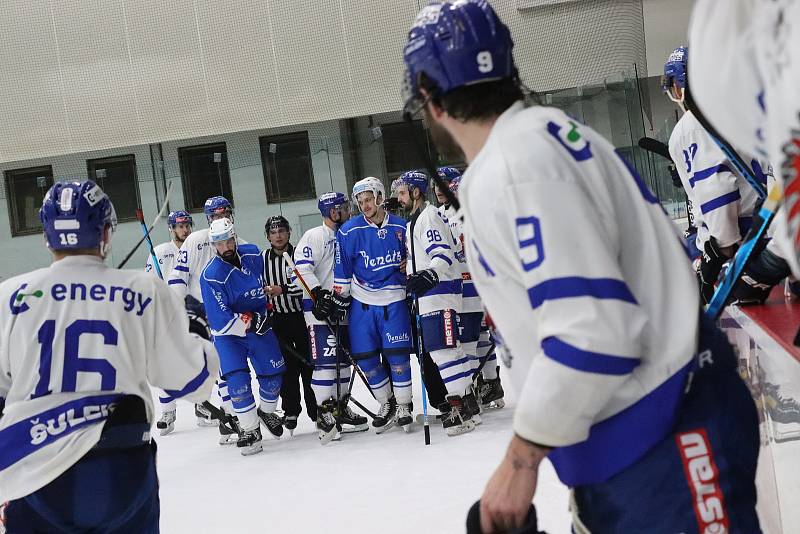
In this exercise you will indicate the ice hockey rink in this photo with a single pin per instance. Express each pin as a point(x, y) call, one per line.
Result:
point(389, 483)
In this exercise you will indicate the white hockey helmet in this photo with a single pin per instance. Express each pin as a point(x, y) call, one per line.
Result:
point(221, 230)
point(370, 183)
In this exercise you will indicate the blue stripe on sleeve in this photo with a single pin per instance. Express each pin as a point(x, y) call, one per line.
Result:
point(182, 268)
point(304, 262)
point(176, 281)
point(442, 256)
point(576, 286)
point(437, 245)
point(193, 384)
point(587, 361)
point(707, 173)
point(714, 203)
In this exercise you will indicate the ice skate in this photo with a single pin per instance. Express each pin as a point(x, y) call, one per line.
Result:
point(349, 421)
point(326, 423)
point(491, 394)
point(386, 417)
point(470, 408)
point(204, 417)
point(250, 442)
point(453, 421)
point(405, 416)
point(166, 424)
point(229, 430)
point(272, 422)
point(290, 423)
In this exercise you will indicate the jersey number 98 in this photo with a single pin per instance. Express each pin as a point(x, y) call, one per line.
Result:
point(73, 363)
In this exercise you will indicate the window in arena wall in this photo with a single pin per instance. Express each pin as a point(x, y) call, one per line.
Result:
point(286, 160)
point(25, 189)
point(204, 173)
point(117, 177)
point(400, 148)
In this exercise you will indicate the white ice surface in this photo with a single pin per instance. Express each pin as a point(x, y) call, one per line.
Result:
point(390, 483)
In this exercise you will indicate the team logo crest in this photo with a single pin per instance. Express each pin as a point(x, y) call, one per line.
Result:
point(399, 235)
point(382, 233)
point(16, 303)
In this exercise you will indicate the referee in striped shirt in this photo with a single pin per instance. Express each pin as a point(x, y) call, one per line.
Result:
point(287, 321)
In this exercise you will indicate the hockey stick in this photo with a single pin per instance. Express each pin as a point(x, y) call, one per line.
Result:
point(293, 267)
point(662, 149)
point(483, 363)
point(758, 230)
point(140, 217)
point(420, 339)
point(155, 221)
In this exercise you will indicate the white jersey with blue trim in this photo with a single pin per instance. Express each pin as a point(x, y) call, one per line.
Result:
point(722, 200)
point(587, 281)
point(231, 292)
point(314, 256)
point(470, 300)
point(192, 258)
point(166, 253)
point(435, 248)
point(368, 260)
point(74, 338)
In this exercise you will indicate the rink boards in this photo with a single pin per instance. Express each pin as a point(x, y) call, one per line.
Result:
point(770, 363)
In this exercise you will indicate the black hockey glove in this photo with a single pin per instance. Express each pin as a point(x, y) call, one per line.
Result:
point(194, 306)
point(711, 263)
point(259, 323)
point(341, 305)
point(421, 282)
point(198, 325)
point(323, 305)
point(764, 272)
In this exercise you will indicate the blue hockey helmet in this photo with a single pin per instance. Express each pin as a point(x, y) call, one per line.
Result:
point(329, 201)
point(180, 216)
point(219, 206)
point(675, 69)
point(454, 45)
point(415, 179)
point(448, 174)
point(455, 183)
point(75, 214)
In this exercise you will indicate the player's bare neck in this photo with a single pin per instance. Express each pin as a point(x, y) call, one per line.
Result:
point(378, 218)
point(471, 136)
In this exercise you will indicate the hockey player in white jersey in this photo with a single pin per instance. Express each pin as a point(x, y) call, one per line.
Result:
point(473, 331)
point(180, 225)
point(314, 257)
point(79, 344)
point(589, 284)
point(722, 200)
point(434, 281)
point(184, 280)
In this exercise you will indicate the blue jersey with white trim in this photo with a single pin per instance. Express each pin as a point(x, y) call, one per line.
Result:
point(368, 260)
point(74, 338)
point(586, 279)
point(230, 292)
point(722, 200)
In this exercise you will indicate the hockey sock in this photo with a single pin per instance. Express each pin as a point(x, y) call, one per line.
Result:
point(269, 387)
point(244, 404)
point(400, 366)
point(323, 380)
point(377, 377)
point(489, 370)
point(224, 396)
point(455, 370)
point(167, 405)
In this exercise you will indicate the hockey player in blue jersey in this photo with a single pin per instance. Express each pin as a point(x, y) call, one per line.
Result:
point(80, 346)
point(233, 292)
point(629, 391)
point(434, 280)
point(370, 286)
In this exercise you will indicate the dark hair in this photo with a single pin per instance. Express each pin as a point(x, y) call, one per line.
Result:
point(478, 102)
